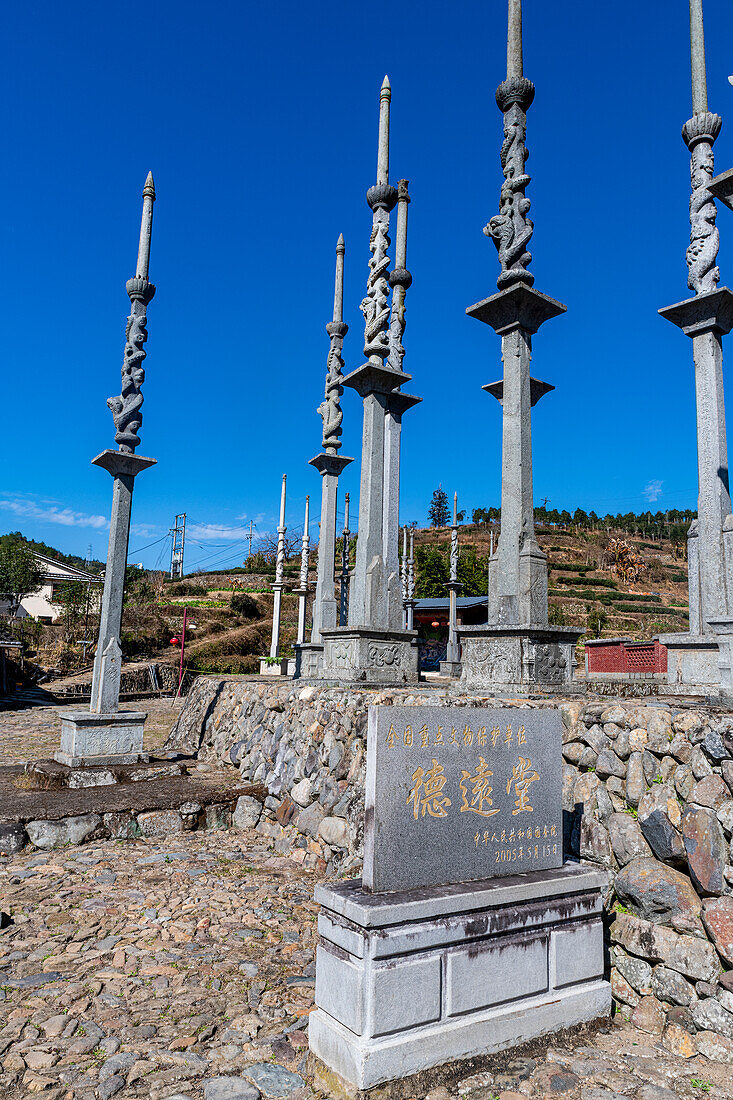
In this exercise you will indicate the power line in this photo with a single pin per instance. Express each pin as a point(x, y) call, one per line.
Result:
point(140, 550)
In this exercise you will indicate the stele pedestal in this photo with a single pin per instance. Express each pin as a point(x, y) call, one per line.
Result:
point(114, 738)
point(467, 934)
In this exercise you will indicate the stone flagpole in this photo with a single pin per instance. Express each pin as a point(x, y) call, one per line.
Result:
point(518, 648)
point(330, 465)
point(452, 664)
point(303, 589)
point(403, 575)
point(410, 601)
point(345, 546)
point(374, 647)
point(278, 584)
point(703, 656)
point(105, 734)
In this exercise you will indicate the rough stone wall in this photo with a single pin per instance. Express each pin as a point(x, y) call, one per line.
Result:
point(647, 793)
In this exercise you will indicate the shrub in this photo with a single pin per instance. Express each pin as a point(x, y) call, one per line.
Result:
point(245, 606)
point(185, 588)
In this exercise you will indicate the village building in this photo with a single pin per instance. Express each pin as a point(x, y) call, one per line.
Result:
point(43, 604)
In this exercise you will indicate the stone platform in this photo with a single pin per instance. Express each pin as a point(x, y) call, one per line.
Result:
point(518, 659)
point(409, 981)
point(364, 656)
point(97, 739)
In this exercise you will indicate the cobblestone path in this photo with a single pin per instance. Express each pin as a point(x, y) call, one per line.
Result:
point(30, 728)
point(156, 969)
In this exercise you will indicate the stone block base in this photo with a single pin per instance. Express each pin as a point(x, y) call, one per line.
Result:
point(89, 739)
point(279, 668)
point(309, 661)
point(518, 658)
point(408, 981)
point(451, 668)
point(364, 656)
point(692, 660)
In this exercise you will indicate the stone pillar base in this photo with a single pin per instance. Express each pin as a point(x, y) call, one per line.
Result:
point(279, 668)
point(692, 660)
point(309, 661)
point(409, 981)
point(451, 668)
point(518, 658)
point(358, 654)
point(115, 738)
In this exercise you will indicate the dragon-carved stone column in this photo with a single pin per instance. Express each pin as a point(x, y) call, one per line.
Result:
point(309, 655)
point(106, 734)
point(693, 658)
point(517, 647)
point(373, 646)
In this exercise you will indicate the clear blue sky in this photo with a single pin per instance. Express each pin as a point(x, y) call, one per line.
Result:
point(259, 123)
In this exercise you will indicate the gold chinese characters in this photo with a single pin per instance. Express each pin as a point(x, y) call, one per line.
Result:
point(481, 737)
point(427, 793)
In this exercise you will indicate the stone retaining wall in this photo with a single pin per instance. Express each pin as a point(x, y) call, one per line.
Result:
point(647, 794)
point(122, 825)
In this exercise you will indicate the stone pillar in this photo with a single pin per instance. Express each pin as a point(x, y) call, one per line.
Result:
point(705, 318)
point(105, 734)
point(303, 588)
point(451, 666)
point(410, 603)
point(309, 655)
point(517, 648)
point(373, 646)
point(403, 577)
point(278, 584)
point(345, 563)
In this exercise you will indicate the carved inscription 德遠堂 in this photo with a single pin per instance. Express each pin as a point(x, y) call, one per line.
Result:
point(461, 795)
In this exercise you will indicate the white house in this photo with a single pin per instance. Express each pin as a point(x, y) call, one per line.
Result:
point(40, 604)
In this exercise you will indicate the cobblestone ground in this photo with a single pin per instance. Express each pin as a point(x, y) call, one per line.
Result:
point(30, 728)
point(154, 969)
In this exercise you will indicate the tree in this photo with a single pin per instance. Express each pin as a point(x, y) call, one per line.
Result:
point(473, 570)
point(432, 572)
point(438, 513)
point(19, 574)
point(597, 620)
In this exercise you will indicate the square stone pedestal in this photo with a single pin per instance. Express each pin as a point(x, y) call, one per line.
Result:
point(518, 658)
point(692, 661)
point(114, 738)
point(366, 656)
point(274, 668)
point(309, 660)
point(409, 981)
point(451, 668)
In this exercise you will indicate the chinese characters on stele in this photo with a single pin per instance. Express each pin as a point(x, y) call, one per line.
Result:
point(430, 792)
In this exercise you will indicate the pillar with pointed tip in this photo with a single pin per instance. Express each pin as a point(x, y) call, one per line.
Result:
point(330, 464)
point(703, 656)
point(518, 647)
point(107, 734)
point(374, 645)
point(345, 563)
point(303, 587)
point(279, 583)
point(452, 664)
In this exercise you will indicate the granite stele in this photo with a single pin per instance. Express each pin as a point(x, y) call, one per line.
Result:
point(467, 935)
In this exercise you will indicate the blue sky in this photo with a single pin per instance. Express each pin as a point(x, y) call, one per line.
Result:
point(259, 123)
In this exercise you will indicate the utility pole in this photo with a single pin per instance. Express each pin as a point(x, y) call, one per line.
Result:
point(179, 539)
point(250, 536)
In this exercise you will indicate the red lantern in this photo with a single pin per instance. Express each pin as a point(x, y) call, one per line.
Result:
point(175, 641)
point(435, 623)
